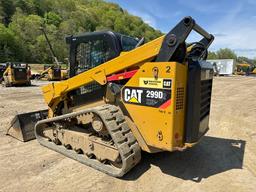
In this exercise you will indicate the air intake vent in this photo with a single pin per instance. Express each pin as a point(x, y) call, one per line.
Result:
point(206, 89)
point(180, 98)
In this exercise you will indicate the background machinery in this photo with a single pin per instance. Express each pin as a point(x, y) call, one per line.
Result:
point(16, 74)
point(253, 72)
point(243, 69)
point(3, 67)
point(52, 72)
point(124, 96)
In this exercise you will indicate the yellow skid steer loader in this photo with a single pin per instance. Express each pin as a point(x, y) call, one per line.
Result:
point(124, 97)
point(16, 74)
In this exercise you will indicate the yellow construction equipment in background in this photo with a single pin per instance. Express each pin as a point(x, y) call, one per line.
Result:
point(3, 67)
point(16, 74)
point(253, 72)
point(124, 96)
point(53, 73)
point(242, 69)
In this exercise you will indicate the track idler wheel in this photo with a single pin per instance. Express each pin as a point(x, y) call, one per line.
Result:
point(99, 126)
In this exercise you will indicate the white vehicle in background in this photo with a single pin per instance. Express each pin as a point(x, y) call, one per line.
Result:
point(223, 66)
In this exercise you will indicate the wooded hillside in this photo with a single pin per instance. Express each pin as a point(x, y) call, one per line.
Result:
point(22, 40)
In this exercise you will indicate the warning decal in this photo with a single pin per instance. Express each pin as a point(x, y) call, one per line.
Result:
point(158, 83)
point(147, 97)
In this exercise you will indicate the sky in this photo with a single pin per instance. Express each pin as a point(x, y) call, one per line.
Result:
point(232, 22)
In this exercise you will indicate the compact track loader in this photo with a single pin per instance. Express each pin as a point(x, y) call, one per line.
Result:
point(51, 73)
point(16, 74)
point(242, 69)
point(124, 96)
point(245, 69)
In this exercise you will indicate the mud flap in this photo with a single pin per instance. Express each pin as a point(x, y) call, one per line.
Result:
point(22, 125)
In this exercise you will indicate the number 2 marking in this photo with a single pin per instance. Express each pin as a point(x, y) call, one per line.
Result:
point(168, 69)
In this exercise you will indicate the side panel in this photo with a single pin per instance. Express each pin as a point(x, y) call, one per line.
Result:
point(154, 98)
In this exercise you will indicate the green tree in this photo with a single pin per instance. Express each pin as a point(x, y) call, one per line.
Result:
point(226, 53)
point(52, 18)
point(27, 29)
point(61, 18)
point(212, 55)
point(242, 59)
point(9, 47)
point(7, 9)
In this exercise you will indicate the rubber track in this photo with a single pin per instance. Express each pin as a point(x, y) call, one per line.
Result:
point(118, 129)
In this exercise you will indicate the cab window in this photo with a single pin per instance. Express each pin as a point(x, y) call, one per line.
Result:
point(128, 43)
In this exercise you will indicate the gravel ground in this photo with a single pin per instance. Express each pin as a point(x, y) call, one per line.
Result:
point(223, 161)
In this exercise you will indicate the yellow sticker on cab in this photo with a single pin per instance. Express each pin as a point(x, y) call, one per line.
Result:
point(151, 82)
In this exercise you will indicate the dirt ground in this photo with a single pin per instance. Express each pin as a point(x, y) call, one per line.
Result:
point(225, 159)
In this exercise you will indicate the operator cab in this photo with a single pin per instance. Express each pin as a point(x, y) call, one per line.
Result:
point(20, 70)
point(17, 65)
point(89, 50)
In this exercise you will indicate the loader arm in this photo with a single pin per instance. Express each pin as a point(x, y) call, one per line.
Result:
point(45, 71)
point(56, 91)
point(254, 71)
point(7, 71)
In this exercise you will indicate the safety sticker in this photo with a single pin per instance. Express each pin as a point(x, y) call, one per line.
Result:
point(158, 98)
point(159, 83)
